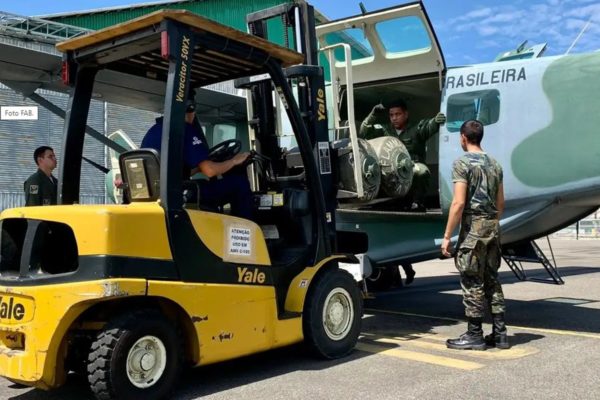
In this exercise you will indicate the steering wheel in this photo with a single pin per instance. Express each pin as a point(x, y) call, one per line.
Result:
point(224, 150)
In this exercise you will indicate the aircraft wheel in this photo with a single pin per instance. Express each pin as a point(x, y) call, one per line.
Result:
point(383, 278)
point(332, 315)
point(136, 356)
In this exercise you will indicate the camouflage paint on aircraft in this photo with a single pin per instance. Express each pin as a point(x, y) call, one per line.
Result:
point(572, 86)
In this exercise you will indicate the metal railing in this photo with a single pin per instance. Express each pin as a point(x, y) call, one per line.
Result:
point(586, 228)
point(329, 52)
point(37, 29)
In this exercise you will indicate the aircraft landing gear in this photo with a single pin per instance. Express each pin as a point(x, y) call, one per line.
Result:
point(384, 278)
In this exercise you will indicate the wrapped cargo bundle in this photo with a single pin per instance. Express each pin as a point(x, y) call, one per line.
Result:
point(395, 164)
point(369, 167)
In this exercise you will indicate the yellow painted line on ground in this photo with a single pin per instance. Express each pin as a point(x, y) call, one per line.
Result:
point(399, 335)
point(558, 332)
point(490, 354)
point(420, 357)
point(524, 328)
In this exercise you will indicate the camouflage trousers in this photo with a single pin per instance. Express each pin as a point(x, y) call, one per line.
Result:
point(477, 259)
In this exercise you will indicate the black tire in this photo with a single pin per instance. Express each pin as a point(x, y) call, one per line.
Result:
point(114, 348)
point(327, 338)
point(383, 278)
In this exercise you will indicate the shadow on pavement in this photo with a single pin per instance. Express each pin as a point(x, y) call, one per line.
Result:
point(522, 338)
point(203, 381)
point(428, 299)
point(224, 376)
point(429, 296)
point(75, 388)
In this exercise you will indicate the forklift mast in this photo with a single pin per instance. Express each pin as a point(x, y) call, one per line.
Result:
point(310, 83)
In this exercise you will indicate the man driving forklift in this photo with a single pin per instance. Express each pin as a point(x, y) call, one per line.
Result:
point(225, 185)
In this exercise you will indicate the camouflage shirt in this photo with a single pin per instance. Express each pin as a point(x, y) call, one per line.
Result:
point(483, 176)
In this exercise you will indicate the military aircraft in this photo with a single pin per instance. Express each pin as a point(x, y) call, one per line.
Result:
point(540, 123)
point(539, 115)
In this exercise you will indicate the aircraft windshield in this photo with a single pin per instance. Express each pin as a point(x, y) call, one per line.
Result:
point(403, 35)
point(355, 37)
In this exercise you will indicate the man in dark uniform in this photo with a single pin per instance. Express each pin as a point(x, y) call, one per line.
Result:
point(413, 136)
point(219, 189)
point(478, 203)
point(40, 188)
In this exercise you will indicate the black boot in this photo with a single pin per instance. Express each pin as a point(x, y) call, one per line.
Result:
point(472, 339)
point(499, 336)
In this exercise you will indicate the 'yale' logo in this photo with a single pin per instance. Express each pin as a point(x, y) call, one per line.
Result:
point(9, 310)
point(321, 100)
point(247, 276)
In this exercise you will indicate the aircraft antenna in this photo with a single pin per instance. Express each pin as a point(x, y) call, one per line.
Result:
point(363, 9)
point(579, 36)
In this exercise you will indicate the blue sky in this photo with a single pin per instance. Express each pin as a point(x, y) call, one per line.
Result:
point(469, 31)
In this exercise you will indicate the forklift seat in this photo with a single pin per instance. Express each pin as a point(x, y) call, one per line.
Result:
point(193, 199)
point(140, 171)
point(298, 226)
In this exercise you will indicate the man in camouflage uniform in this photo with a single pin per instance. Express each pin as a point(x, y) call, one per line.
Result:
point(414, 137)
point(40, 188)
point(478, 203)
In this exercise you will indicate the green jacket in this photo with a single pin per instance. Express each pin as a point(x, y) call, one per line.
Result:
point(414, 137)
point(40, 190)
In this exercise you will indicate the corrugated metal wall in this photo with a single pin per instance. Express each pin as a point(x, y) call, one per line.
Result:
point(18, 140)
point(228, 12)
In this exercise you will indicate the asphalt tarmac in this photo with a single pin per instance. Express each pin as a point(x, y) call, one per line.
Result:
point(554, 331)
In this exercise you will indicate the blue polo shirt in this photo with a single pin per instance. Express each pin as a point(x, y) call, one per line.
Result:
point(195, 150)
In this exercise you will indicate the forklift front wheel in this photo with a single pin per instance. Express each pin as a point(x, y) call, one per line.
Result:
point(332, 315)
point(135, 356)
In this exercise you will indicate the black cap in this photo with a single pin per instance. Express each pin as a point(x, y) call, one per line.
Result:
point(190, 106)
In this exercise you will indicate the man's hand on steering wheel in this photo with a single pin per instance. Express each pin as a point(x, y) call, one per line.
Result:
point(240, 158)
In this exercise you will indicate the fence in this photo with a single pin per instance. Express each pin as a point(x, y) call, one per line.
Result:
point(587, 228)
point(11, 199)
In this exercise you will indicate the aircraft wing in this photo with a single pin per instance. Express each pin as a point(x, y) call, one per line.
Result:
point(26, 70)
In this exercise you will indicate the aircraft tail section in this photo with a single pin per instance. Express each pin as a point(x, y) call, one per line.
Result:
point(120, 137)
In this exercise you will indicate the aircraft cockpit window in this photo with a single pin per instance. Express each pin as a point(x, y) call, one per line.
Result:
point(483, 105)
point(403, 36)
point(355, 37)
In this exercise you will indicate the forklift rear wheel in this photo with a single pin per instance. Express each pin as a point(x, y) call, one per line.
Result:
point(135, 356)
point(332, 315)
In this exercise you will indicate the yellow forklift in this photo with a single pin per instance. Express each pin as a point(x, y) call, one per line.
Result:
point(129, 294)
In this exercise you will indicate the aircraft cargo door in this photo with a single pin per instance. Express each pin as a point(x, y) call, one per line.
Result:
point(385, 45)
point(378, 58)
